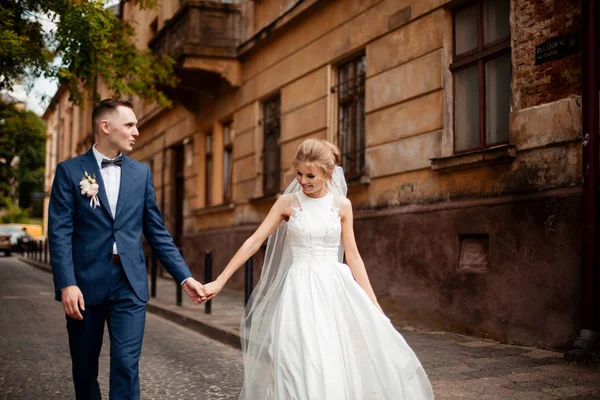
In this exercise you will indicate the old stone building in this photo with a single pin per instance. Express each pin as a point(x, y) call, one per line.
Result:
point(460, 124)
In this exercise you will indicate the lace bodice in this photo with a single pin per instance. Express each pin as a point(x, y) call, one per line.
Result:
point(314, 228)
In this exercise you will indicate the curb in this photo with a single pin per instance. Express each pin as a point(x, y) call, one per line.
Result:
point(36, 264)
point(209, 330)
point(206, 329)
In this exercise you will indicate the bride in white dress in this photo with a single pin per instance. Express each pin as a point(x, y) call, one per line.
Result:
point(313, 329)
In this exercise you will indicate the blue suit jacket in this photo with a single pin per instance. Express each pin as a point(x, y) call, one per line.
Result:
point(81, 237)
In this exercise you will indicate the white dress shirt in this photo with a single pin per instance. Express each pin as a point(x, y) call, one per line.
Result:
point(111, 175)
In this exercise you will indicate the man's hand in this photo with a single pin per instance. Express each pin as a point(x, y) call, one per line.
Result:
point(194, 289)
point(211, 290)
point(72, 301)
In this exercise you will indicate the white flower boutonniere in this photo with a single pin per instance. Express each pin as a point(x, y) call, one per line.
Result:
point(89, 187)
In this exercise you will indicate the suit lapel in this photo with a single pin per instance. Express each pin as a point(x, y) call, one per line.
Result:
point(127, 175)
point(90, 165)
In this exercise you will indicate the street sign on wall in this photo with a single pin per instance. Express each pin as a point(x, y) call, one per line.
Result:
point(556, 48)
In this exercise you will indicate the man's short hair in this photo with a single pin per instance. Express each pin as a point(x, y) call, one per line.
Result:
point(105, 107)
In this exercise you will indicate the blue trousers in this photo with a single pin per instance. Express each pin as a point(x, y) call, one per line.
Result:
point(125, 315)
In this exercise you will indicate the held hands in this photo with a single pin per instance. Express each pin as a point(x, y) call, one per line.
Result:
point(72, 301)
point(211, 290)
point(72, 298)
point(195, 290)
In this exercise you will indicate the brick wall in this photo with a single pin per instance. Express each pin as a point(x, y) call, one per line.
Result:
point(536, 21)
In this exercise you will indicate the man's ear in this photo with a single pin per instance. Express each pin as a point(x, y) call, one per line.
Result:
point(104, 126)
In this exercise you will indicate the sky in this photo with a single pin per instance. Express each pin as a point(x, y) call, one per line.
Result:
point(36, 98)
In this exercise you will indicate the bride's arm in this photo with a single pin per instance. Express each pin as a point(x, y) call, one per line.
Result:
point(279, 211)
point(353, 258)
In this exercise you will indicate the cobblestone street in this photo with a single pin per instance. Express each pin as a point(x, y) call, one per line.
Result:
point(178, 363)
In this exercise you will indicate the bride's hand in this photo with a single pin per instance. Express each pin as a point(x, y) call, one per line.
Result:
point(211, 290)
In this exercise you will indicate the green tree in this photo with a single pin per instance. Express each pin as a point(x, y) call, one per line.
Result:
point(22, 157)
point(90, 42)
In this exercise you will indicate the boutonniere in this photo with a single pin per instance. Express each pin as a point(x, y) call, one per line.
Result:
point(89, 187)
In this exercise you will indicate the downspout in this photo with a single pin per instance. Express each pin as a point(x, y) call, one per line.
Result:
point(590, 324)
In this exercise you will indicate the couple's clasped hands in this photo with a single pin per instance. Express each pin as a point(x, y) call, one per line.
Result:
point(201, 293)
point(73, 303)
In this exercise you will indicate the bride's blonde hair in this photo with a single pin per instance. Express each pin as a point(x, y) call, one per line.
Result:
point(325, 155)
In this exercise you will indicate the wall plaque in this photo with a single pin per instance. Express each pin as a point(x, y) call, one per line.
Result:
point(474, 253)
point(556, 48)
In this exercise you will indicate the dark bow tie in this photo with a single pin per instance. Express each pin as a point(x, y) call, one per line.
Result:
point(118, 161)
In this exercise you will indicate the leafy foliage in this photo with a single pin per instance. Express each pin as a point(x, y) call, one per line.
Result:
point(90, 42)
point(22, 156)
point(11, 213)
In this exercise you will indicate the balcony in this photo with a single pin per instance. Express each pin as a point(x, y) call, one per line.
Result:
point(202, 37)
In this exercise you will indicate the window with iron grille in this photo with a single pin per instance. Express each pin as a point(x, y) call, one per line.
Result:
point(482, 72)
point(351, 115)
point(208, 159)
point(227, 161)
point(271, 148)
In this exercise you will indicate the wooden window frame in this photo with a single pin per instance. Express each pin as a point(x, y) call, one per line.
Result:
point(478, 56)
point(271, 128)
point(357, 89)
point(178, 191)
point(228, 149)
point(208, 172)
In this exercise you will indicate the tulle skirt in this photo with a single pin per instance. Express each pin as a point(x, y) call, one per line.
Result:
point(330, 342)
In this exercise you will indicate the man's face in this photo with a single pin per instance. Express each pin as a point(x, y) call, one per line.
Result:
point(121, 129)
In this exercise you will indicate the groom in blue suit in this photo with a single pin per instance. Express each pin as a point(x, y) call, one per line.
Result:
point(100, 205)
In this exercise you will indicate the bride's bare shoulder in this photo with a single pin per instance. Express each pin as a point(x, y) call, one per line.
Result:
point(343, 205)
point(342, 201)
point(284, 204)
point(286, 199)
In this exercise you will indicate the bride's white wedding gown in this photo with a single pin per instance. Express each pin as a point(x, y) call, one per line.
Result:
point(329, 341)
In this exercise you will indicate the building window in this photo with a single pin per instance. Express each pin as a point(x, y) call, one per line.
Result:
point(227, 161)
point(482, 74)
point(153, 27)
point(351, 115)
point(271, 149)
point(208, 167)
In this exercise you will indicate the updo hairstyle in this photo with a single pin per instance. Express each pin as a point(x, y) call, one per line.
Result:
point(323, 154)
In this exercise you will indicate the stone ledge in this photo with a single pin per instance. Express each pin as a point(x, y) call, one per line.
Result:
point(213, 209)
point(265, 198)
point(210, 330)
point(551, 123)
point(358, 185)
point(492, 155)
point(459, 204)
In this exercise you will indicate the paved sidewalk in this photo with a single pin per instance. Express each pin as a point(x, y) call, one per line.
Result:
point(176, 363)
point(460, 367)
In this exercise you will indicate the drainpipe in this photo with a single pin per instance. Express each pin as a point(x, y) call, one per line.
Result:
point(590, 324)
